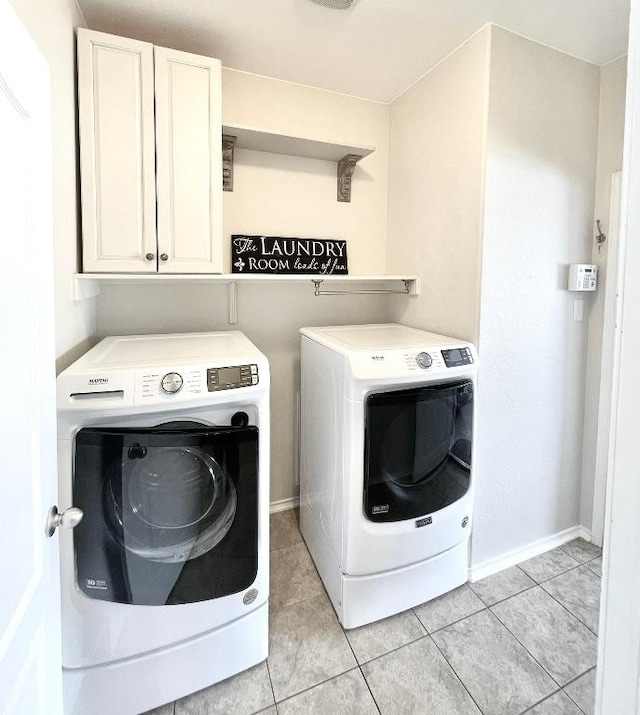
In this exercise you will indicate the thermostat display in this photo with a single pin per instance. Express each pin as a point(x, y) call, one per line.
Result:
point(583, 276)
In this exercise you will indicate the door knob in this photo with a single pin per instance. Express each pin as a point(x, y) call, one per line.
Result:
point(150, 256)
point(164, 257)
point(68, 519)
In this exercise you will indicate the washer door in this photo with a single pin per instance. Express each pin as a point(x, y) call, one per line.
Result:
point(170, 512)
point(417, 450)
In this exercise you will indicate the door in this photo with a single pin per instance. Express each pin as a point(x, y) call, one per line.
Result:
point(189, 162)
point(117, 162)
point(417, 450)
point(30, 669)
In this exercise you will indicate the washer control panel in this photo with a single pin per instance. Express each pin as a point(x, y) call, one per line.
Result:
point(228, 378)
point(457, 357)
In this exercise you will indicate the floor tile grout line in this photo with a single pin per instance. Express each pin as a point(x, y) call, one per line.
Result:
point(455, 672)
point(570, 613)
point(572, 700)
point(375, 702)
point(529, 653)
point(315, 685)
point(273, 692)
point(573, 557)
point(573, 681)
point(535, 705)
point(413, 610)
point(580, 676)
point(533, 585)
point(437, 630)
point(393, 650)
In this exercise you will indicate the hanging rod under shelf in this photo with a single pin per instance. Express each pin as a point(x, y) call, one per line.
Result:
point(367, 291)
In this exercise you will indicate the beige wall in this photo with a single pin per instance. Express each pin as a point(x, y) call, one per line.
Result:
point(280, 195)
point(291, 196)
point(613, 79)
point(437, 130)
point(51, 24)
point(491, 185)
point(540, 182)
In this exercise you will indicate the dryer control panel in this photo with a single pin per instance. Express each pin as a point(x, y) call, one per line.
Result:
point(457, 357)
point(228, 378)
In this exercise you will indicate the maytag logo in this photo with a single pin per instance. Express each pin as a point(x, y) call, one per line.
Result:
point(380, 509)
point(377, 357)
point(98, 380)
point(423, 522)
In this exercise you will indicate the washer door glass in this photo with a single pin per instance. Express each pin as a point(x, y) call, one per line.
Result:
point(417, 450)
point(170, 503)
point(170, 512)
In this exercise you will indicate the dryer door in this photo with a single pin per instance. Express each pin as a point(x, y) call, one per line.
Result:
point(417, 450)
point(170, 513)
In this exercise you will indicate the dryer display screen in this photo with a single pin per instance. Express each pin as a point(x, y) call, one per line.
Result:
point(456, 357)
point(228, 378)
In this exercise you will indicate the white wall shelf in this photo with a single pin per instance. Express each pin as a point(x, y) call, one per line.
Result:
point(243, 137)
point(87, 285)
point(260, 140)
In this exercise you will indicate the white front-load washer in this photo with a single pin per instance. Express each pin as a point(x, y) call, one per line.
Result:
point(164, 447)
point(385, 465)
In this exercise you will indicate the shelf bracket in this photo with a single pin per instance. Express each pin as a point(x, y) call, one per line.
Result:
point(346, 165)
point(370, 291)
point(228, 147)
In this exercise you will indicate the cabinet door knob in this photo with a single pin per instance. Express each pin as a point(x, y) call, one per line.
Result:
point(150, 256)
point(164, 257)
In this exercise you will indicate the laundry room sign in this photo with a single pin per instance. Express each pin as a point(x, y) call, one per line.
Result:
point(275, 254)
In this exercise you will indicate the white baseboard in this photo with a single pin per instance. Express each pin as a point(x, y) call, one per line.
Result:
point(284, 505)
point(511, 558)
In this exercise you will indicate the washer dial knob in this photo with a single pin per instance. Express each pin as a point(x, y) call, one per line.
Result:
point(424, 360)
point(172, 382)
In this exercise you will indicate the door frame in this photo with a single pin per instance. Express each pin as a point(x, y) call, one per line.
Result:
point(618, 674)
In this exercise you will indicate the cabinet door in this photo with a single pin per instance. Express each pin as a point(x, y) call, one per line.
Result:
point(117, 163)
point(189, 162)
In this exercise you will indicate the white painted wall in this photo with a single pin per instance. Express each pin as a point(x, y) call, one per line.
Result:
point(610, 143)
point(51, 24)
point(437, 130)
point(540, 181)
point(280, 195)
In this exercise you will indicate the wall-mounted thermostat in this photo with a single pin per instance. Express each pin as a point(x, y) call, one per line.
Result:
point(582, 276)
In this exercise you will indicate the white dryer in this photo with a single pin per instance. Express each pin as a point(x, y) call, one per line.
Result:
point(164, 447)
point(385, 465)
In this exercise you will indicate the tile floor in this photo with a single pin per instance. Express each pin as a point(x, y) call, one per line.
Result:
point(521, 641)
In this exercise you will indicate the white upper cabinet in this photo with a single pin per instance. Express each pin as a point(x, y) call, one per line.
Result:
point(189, 162)
point(140, 123)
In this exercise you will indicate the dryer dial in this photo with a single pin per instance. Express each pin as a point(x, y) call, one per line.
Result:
point(424, 360)
point(172, 382)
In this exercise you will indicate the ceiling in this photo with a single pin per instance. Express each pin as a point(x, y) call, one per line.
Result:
point(374, 50)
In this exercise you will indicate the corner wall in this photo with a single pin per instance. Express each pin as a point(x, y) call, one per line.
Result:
point(51, 24)
point(540, 182)
point(436, 167)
